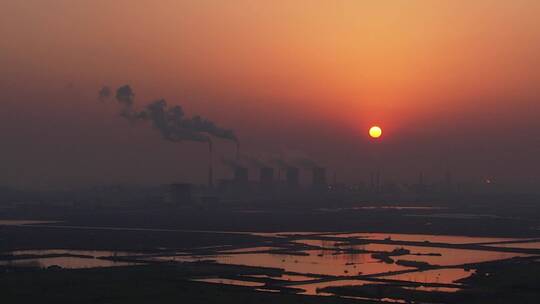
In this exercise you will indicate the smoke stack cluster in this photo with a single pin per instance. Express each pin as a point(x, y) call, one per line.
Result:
point(173, 125)
point(319, 178)
point(170, 121)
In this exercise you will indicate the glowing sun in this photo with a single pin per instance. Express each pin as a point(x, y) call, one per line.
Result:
point(375, 132)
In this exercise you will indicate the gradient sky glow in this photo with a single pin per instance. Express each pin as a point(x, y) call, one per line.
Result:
point(453, 84)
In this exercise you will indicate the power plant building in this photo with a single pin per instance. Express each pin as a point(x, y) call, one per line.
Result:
point(241, 175)
point(293, 177)
point(267, 179)
point(319, 178)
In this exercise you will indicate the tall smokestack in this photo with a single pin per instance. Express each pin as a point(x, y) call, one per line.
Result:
point(319, 178)
point(378, 181)
point(267, 178)
point(372, 181)
point(237, 151)
point(210, 166)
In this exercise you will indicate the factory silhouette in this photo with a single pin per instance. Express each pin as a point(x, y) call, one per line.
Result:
point(273, 179)
point(300, 181)
point(280, 179)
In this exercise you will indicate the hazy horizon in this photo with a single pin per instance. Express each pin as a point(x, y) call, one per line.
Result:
point(453, 85)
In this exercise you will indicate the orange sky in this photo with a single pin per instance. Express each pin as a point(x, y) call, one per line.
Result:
point(422, 69)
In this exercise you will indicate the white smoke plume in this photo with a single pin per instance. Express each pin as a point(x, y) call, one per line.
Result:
point(104, 93)
point(170, 121)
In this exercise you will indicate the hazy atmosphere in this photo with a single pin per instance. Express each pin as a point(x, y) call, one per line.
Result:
point(454, 85)
point(270, 151)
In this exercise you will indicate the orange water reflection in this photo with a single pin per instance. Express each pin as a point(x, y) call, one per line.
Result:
point(444, 257)
point(230, 282)
point(284, 277)
point(448, 256)
point(65, 262)
point(314, 263)
point(531, 245)
point(448, 239)
point(250, 249)
point(313, 288)
point(442, 276)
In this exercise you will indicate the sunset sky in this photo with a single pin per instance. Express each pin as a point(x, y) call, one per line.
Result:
point(453, 84)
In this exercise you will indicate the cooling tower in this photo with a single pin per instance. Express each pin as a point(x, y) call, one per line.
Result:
point(241, 175)
point(293, 177)
point(319, 178)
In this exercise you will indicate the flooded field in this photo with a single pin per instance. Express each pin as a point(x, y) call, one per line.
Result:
point(335, 257)
point(250, 249)
point(65, 258)
point(444, 256)
point(314, 288)
point(283, 277)
point(437, 276)
point(527, 245)
point(65, 262)
point(311, 263)
point(440, 256)
point(230, 282)
point(448, 239)
point(90, 253)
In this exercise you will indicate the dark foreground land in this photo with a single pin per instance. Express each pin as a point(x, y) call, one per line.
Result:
point(144, 284)
point(155, 230)
point(506, 283)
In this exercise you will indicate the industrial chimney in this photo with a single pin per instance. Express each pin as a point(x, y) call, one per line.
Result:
point(210, 166)
point(293, 176)
point(319, 178)
point(267, 178)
